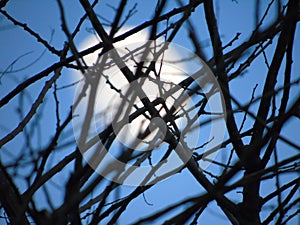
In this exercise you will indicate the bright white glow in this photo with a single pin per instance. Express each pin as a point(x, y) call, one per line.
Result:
point(108, 100)
point(116, 99)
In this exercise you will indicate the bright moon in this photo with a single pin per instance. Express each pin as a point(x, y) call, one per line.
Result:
point(117, 100)
point(108, 100)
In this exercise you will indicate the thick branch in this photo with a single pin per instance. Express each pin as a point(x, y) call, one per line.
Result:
point(10, 199)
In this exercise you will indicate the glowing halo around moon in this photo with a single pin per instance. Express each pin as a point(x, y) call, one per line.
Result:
point(116, 102)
